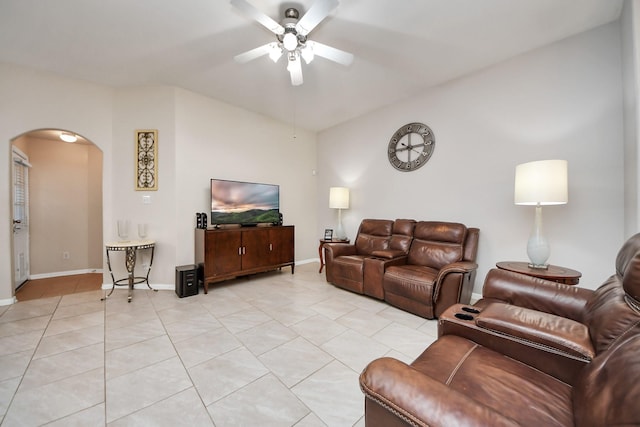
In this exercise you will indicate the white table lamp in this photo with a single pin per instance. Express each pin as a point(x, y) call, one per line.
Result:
point(540, 183)
point(339, 199)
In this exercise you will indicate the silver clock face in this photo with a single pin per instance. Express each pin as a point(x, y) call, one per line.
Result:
point(411, 147)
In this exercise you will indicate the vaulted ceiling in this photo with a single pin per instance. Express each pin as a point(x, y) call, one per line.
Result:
point(401, 48)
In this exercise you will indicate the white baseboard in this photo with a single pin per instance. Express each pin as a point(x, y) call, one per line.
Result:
point(8, 301)
point(64, 273)
point(307, 261)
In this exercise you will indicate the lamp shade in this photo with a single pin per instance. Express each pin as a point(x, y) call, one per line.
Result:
point(339, 198)
point(541, 183)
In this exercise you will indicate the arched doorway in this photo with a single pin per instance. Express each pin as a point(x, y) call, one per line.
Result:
point(64, 205)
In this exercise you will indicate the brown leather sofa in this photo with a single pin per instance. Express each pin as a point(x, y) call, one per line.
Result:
point(421, 267)
point(530, 353)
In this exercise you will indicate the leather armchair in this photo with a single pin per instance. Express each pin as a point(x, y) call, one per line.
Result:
point(530, 353)
point(553, 327)
point(438, 271)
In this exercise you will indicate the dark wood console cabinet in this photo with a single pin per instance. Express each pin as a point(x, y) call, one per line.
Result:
point(228, 253)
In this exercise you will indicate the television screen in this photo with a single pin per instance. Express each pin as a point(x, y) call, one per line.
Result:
point(244, 203)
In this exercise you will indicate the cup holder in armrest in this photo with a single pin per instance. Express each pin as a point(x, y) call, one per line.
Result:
point(464, 316)
point(471, 310)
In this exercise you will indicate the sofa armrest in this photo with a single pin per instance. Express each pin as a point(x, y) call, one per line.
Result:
point(334, 250)
point(462, 267)
point(536, 294)
point(524, 335)
point(539, 328)
point(418, 399)
point(374, 269)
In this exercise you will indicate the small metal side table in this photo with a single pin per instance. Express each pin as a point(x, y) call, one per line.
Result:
point(321, 249)
point(553, 273)
point(130, 247)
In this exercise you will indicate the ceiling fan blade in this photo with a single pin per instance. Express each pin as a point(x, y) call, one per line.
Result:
point(252, 54)
point(249, 10)
point(331, 53)
point(295, 69)
point(317, 12)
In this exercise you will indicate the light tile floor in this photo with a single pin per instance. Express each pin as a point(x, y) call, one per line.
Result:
point(274, 349)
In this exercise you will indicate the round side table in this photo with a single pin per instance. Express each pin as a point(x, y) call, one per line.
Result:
point(554, 273)
point(130, 248)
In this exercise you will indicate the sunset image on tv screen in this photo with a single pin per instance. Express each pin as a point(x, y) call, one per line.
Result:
point(234, 202)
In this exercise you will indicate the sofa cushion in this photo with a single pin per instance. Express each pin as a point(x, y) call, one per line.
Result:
point(401, 236)
point(509, 387)
point(436, 244)
point(411, 281)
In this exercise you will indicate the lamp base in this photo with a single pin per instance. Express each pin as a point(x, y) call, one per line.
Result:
point(539, 266)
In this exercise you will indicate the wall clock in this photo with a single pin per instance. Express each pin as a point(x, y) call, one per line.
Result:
point(411, 147)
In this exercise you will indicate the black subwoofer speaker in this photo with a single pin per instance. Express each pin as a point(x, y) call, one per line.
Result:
point(186, 280)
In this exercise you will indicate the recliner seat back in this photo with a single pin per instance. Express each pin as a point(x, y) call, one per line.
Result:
point(607, 392)
point(436, 244)
point(373, 235)
point(617, 295)
point(402, 235)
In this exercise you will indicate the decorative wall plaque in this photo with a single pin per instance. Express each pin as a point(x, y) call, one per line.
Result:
point(146, 160)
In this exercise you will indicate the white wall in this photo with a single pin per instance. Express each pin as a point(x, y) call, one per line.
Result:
point(631, 76)
point(144, 108)
point(199, 138)
point(216, 140)
point(562, 101)
point(33, 100)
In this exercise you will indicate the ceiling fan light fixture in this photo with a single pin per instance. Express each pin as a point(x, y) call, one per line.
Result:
point(307, 54)
point(67, 137)
point(292, 61)
point(275, 52)
point(295, 69)
point(290, 41)
point(292, 35)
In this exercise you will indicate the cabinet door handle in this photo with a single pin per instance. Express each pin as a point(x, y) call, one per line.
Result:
point(270, 246)
point(244, 250)
point(240, 251)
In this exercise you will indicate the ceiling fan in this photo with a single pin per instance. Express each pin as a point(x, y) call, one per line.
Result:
point(291, 37)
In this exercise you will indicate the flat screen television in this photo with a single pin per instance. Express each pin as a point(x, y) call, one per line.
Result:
point(244, 203)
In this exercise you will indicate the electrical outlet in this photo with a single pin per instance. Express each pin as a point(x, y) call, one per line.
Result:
point(65, 255)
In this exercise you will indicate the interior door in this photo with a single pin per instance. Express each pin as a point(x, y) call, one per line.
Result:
point(20, 200)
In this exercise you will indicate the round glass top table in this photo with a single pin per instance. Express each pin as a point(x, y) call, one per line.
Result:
point(130, 247)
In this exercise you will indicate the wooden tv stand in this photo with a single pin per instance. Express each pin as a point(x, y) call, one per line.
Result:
point(228, 253)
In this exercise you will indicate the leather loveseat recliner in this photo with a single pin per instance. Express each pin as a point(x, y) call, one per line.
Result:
point(419, 266)
point(530, 353)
